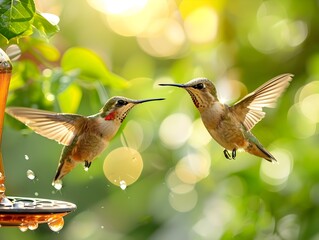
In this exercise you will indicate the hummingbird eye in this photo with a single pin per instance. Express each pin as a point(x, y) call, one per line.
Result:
point(121, 103)
point(199, 86)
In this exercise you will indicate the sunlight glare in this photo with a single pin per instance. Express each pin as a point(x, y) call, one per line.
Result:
point(201, 25)
point(118, 7)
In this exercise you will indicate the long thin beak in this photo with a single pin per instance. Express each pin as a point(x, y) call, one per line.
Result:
point(147, 100)
point(173, 85)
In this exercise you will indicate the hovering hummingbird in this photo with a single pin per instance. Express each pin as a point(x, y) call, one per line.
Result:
point(230, 126)
point(84, 138)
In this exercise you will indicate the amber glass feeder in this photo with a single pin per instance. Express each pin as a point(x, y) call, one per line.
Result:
point(22, 212)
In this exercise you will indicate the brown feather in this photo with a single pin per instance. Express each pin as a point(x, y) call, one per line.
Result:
point(55, 126)
point(249, 109)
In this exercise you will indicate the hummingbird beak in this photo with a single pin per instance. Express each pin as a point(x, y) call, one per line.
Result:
point(147, 100)
point(173, 85)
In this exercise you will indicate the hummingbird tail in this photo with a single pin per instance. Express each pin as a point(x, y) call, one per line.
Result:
point(260, 151)
point(65, 166)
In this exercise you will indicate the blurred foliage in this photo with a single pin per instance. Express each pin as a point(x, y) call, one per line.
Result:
point(187, 189)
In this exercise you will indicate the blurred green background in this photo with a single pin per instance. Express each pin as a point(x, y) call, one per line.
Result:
point(187, 189)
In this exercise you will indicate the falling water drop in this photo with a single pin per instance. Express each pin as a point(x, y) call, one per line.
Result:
point(26, 157)
point(30, 174)
point(57, 184)
point(32, 225)
point(86, 169)
point(23, 227)
point(123, 185)
point(56, 225)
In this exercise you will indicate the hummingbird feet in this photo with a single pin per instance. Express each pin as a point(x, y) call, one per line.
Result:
point(233, 154)
point(228, 156)
point(87, 164)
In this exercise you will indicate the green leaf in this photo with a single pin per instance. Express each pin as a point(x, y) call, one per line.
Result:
point(60, 81)
point(70, 99)
point(16, 17)
point(44, 27)
point(45, 49)
point(91, 67)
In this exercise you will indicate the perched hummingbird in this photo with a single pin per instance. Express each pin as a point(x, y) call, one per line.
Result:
point(230, 125)
point(84, 138)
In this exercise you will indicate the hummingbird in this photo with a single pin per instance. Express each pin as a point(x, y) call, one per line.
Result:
point(231, 126)
point(83, 137)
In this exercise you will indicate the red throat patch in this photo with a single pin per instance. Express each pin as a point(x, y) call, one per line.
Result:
point(110, 116)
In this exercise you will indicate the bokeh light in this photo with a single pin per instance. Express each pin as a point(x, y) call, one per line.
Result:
point(230, 90)
point(170, 41)
point(289, 227)
point(308, 98)
point(296, 117)
point(193, 167)
point(183, 202)
point(217, 213)
point(134, 18)
point(132, 135)
point(274, 31)
point(303, 111)
point(201, 25)
point(199, 136)
point(175, 130)
point(176, 185)
point(276, 174)
point(307, 107)
point(123, 166)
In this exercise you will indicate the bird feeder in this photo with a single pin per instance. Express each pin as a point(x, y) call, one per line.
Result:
point(22, 212)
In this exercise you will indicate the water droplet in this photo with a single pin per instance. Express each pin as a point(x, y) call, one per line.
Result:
point(30, 174)
point(56, 225)
point(86, 169)
point(32, 225)
point(23, 227)
point(26, 157)
point(57, 184)
point(123, 185)
point(36, 194)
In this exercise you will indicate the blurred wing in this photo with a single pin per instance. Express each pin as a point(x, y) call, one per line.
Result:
point(55, 126)
point(249, 109)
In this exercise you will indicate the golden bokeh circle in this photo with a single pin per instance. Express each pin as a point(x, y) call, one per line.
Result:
point(123, 166)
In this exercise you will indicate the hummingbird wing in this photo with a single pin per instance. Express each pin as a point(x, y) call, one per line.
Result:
point(249, 109)
point(56, 126)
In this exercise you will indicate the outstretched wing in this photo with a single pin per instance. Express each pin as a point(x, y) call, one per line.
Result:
point(249, 109)
point(56, 126)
